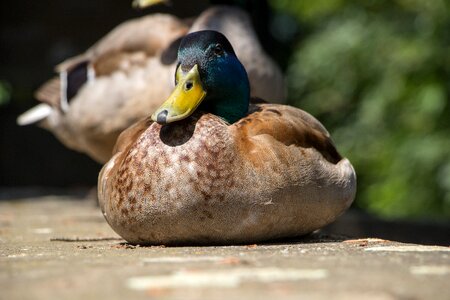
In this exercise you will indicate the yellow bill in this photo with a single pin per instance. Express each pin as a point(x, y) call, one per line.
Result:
point(147, 3)
point(184, 100)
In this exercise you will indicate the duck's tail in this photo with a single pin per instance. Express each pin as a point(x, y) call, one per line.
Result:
point(35, 114)
point(347, 178)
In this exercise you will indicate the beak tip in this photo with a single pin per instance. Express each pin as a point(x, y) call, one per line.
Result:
point(161, 118)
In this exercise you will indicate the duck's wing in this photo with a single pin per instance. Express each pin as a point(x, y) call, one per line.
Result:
point(277, 126)
point(125, 141)
point(150, 34)
point(127, 138)
point(126, 46)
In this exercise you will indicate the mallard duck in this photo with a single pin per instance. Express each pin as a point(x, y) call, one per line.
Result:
point(129, 72)
point(209, 166)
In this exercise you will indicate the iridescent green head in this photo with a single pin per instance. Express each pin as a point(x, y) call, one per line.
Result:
point(209, 77)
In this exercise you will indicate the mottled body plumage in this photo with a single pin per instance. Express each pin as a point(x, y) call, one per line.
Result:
point(204, 181)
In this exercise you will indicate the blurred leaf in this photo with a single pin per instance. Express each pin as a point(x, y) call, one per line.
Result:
point(377, 74)
point(5, 92)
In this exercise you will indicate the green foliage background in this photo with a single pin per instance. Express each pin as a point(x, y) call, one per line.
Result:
point(377, 74)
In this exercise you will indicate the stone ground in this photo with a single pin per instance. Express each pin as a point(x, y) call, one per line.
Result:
point(60, 247)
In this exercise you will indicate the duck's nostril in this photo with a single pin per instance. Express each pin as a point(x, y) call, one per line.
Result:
point(188, 86)
point(162, 117)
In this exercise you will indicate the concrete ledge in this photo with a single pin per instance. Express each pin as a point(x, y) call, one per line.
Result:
point(60, 247)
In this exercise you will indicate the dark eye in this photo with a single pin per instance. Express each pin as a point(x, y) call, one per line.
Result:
point(218, 50)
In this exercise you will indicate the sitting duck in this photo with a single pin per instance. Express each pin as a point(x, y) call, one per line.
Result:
point(103, 91)
point(213, 166)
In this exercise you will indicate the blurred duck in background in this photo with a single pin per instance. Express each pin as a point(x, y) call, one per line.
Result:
point(128, 73)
